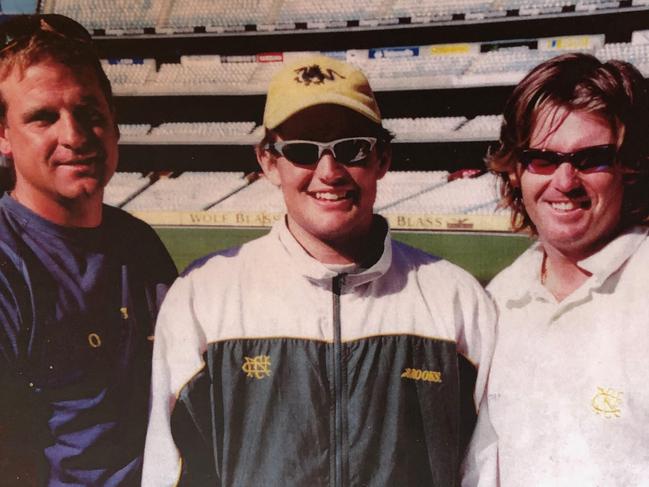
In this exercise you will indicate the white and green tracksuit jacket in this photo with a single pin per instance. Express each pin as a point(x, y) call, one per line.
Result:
point(271, 369)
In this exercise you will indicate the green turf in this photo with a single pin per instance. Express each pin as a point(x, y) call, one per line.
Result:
point(481, 255)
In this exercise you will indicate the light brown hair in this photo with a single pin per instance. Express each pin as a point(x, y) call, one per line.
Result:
point(614, 90)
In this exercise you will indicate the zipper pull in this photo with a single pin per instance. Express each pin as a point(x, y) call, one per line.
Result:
point(124, 308)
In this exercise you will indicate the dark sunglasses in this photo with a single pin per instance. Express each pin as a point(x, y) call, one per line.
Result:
point(352, 151)
point(21, 27)
point(589, 159)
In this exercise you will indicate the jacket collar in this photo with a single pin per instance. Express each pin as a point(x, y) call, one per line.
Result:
point(319, 273)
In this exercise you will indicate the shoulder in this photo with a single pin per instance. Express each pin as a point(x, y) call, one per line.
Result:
point(425, 263)
point(139, 240)
point(518, 276)
point(120, 220)
point(431, 267)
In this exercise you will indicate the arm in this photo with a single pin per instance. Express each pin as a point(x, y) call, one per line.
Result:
point(21, 420)
point(477, 341)
point(170, 453)
point(480, 466)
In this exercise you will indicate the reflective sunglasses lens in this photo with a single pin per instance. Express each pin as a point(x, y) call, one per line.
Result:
point(539, 162)
point(353, 150)
point(595, 159)
point(301, 153)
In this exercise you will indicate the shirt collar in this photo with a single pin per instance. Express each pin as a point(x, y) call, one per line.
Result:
point(601, 264)
point(611, 257)
point(316, 271)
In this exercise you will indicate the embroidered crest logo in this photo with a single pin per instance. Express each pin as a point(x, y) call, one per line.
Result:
point(313, 75)
point(607, 403)
point(257, 367)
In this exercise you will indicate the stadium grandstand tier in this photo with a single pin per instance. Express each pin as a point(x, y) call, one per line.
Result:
point(189, 191)
point(134, 129)
point(423, 128)
point(435, 194)
point(487, 126)
point(398, 192)
point(111, 15)
point(424, 67)
point(123, 186)
point(219, 15)
point(204, 131)
point(259, 196)
point(129, 75)
point(234, 15)
point(323, 13)
point(637, 54)
point(203, 73)
point(444, 9)
point(404, 129)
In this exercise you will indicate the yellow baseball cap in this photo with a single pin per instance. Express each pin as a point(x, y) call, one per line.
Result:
point(318, 80)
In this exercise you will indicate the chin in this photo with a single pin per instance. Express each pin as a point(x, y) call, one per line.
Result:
point(84, 190)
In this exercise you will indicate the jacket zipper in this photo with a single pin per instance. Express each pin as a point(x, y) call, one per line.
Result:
point(340, 421)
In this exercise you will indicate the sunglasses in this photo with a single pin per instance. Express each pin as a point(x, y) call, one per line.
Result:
point(590, 159)
point(352, 151)
point(22, 27)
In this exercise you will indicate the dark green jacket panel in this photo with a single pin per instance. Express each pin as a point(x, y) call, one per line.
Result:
point(261, 413)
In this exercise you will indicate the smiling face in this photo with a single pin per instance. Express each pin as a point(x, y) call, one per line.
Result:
point(574, 213)
point(329, 202)
point(61, 134)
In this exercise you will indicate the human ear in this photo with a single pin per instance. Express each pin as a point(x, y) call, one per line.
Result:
point(5, 145)
point(268, 164)
point(385, 161)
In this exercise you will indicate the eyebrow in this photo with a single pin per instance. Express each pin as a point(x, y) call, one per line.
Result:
point(31, 113)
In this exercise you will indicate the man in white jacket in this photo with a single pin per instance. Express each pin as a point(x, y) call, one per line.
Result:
point(323, 353)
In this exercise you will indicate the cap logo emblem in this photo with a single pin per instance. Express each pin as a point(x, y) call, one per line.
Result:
point(313, 74)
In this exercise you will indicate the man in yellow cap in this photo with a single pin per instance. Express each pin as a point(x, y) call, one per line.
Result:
point(323, 353)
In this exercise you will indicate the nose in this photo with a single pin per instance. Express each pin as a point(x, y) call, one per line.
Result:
point(73, 134)
point(566, 177)
point(329, 170)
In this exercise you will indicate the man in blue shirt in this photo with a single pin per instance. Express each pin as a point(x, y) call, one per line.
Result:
point(80, 282)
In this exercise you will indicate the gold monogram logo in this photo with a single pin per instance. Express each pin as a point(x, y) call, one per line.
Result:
point(257, 367)
point(607, 403)
point(425, 375)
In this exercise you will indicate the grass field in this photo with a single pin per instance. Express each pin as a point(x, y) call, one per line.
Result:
point(482, 255)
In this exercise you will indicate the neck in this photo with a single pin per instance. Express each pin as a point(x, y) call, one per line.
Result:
point(363, 248)
point(67, 213)
point(561, 275)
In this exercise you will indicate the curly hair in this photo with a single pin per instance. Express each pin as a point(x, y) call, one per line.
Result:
point(613, 90)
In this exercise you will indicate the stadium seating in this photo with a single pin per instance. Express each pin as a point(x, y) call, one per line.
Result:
point(637, 54)
point(190, 191)
point(401, 192)
point(405, 129)
point(218, 16)
point(462, 196)
point(114, 16)
point(203, 131)
point(245, 75)
point(123, 186)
